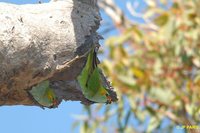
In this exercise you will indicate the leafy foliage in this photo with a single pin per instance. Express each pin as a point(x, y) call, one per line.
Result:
point(156, 71)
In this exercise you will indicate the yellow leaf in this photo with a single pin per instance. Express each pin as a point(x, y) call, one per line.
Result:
point(162, 19)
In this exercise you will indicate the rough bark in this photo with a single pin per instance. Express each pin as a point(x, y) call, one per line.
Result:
point(45, 41)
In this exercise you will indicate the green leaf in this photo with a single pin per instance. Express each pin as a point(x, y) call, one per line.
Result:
point(129, 81)
point(151, 110)
point(163, 95)
point(153, 124)
point(162, 19)
point(44, 95)
point(140, 115)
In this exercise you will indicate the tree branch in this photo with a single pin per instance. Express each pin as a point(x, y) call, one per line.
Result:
point(45, 41)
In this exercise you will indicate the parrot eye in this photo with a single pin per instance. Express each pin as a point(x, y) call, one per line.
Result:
point(96, 49)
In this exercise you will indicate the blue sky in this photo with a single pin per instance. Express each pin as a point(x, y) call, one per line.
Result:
point(22, 1)
point(27, 119)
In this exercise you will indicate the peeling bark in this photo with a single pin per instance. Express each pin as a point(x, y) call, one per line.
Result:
point(45, 41)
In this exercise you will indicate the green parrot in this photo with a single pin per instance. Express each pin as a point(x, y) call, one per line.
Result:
point(91, 80)
point(44, 95)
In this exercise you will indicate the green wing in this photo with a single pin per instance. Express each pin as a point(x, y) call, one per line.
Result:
point(43, 94)
point(97, 91)
point(91, 82)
